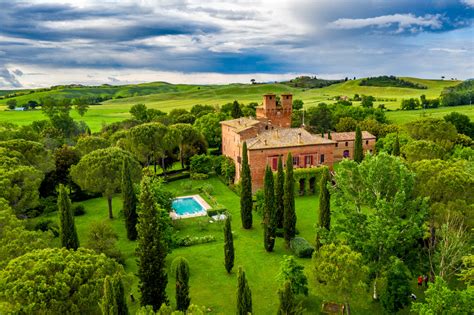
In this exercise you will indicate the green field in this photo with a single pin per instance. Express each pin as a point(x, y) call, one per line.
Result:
point(165, 97)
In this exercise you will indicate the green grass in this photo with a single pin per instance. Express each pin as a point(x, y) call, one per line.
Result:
point(400, 117)
point(165, 97)
point(210, 284)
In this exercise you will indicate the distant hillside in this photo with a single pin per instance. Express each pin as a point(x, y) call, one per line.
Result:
point(461, 94)
point(390, 81)
point(306, 82)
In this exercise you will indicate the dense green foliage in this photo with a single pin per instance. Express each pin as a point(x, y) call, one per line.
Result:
point(324, 218)
point(397, 291)
point(289, 217)
point(390, 81)
point(182, 285)
point(129, 202)
point(245, 190)
point(67, 228)
point(358, 149)
point(310, 82)
point(269, 219)
point(244, 295)
point(461, 94)
point(228, 245)
point(279, 194)
point(113, 299)
point(292, 272)
point(288, 305)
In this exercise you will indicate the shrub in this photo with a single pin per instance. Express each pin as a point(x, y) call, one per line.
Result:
point(228, 169)
point(259, 204)
point(216, 211)
point(199, 176)
point(301, 247)
point(47, 225)
point(189, 240)
point(78, 210)
point(207, 189)
point(48, 205)
point(202, 164)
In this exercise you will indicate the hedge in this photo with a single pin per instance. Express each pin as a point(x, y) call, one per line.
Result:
point(301, 247)
point(306, 174)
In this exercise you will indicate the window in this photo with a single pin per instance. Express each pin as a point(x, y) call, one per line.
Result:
point(321, 159)
point(345, 153)
point(239, 159)
point(274, 163)
point(347, 143)
point(308, 160)
point(366, 141)
point(337, 144)
point(296, 160)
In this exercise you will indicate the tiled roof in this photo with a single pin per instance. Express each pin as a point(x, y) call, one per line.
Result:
point(349, 136)
point(241, 124)
point(285, 137)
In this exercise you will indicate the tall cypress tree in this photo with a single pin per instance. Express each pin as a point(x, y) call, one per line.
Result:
point(182, 285)
point(246, 192)
point(228, 245)
point(119, 294)
point(324, 221)
point(236, 110)
point(244, 295)
point(289, 223)
point(279, 194)
point(129, 202)
point(358, 151)
point(151, 250)
point(113, 301)
point(396, 147)
point(288, 304)
point(67, 228)
point(269, 219)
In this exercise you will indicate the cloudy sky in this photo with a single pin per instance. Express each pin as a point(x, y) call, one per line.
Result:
point(45, 43)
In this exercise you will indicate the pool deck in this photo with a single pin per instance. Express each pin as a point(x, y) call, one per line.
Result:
point(200, 200)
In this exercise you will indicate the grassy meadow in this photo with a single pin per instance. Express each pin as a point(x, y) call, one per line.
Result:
point(166, 97)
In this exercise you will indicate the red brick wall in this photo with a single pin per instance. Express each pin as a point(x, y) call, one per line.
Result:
point(341, 147)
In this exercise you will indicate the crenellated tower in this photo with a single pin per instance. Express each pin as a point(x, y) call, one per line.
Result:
point(277, 113)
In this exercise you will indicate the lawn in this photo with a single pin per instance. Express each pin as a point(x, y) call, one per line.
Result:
point(210, 284)
point(400, 117)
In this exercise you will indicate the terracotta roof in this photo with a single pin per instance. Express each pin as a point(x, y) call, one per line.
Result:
point(349, 136)
point(285, 137)
point(241, 124)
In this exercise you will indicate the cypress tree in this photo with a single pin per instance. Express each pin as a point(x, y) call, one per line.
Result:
point(113, 301)
point(288, 304)
point(289, 223)
point(358, 151)
point(396, 147)
point(182, 285)
point(269, 220)
point(129, 202)
point(236, 110)
point(244, 295)
point(324, 205)
point(119, 293)
point(279, 194)
point(151, 250)
point(228, 245)
point(246, 192)
point(67, 229)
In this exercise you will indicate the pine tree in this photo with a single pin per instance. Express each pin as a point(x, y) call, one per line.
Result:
point(67, 229)
point(129, 202)
point(113, 301)
point(324, 205)
point(244, 295)
point(279, 194)
point(396, 147)
point(236, 110)
point(246, 192)
point(182, 285)
point(358, 150)
point(151, 250)
point(289, 223)
point(228, 245)
point(288, 304)
point(269, 220)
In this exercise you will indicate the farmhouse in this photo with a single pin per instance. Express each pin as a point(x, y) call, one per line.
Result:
point(270, 135)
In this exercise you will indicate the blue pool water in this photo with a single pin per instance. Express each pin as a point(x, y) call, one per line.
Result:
point(187, 205)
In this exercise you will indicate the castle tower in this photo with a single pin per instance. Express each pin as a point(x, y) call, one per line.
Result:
point(278, 114)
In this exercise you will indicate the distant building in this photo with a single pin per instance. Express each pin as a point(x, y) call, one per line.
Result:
point(19, 108)
point(270, 135)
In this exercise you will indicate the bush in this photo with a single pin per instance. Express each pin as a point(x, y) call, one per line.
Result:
point(301, 247)
point(216, 211)
point(47, 225)
point(78, 210)
point(259, 204)
point(228, 169)
point(194, 240)
point(48, 205)
point(207, 189)
point(199, 176)
point(202, 164)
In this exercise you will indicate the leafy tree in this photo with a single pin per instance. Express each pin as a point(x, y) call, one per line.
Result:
point(297, 104)
point(279, 194)
point(437, 130)
point(151, 250)
point(47, 272)
point(288, 304)
point(228, 245)
point(191, 143)
point(324, 221)
point(209, 126)
point(367, 101)
point(320, 118)
point(246, 190)
point(396, 147)
point(32, 153)
point(201, 110)
point(289, 222)
point(139, 112)
point(236, 110)
point(346, 124)
point(67, 230)
point(88, 144)
point(11, 104)
point(113, 301)
point(340, 270)
point(182, 285)
point(101, 172)
point(397, 292)
point(269, 220)
point(422, 150)
point(102, 239)
point(358, 150)
point(292, 272)
point(439, 299)
point(147, 141)
point(129, 202)
point(462, 123)
point(82, 109)
point(244, 295)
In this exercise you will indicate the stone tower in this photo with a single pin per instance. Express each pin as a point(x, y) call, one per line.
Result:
point(277, 114)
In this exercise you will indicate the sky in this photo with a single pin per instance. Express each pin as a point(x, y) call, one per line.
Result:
point(46, 42)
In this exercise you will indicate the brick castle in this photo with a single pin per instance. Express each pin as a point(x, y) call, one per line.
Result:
point(270, 135)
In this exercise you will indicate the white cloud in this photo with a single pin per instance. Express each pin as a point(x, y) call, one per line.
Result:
point(449, 50)
point(468, 2)
point(403, 21)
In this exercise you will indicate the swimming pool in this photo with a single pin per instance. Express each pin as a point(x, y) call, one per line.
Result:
point(189, 206)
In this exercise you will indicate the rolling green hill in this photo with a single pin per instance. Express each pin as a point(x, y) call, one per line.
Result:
point(165, 96)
